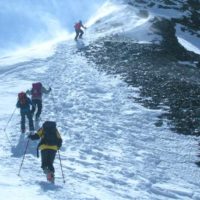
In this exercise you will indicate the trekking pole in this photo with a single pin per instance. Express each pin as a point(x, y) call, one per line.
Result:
point(61, 167)
point(53, 98)
point(23, 157)
point(10, 119)
point(54, 103)
point(7, 126)
point(8, 138)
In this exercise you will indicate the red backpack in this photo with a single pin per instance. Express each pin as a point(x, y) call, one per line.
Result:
point(36, 90)
point(22, 98)
point(77, 26)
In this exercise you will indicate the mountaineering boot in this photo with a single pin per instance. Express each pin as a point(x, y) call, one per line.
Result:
point(50, 177)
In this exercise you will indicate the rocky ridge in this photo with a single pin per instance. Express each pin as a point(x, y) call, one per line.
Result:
point(166, 73)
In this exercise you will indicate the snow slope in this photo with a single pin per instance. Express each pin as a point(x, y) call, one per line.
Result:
point(112, 20)
point(111, 146)
point(111, 150)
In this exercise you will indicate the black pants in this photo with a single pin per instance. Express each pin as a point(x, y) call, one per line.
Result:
point(23, 121)
point(48, 156)
point(79, 34)
point(37, 104)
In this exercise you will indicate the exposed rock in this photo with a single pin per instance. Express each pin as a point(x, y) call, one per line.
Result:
point(156, 70)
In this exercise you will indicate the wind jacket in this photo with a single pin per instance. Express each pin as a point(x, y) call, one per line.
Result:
point(78, 26)
point(24, 108)
point(42, 145)
point(43, 91)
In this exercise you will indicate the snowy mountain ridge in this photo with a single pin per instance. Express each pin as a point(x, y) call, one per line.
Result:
point(183, 14)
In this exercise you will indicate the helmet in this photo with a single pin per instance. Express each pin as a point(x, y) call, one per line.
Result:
point(80, 21)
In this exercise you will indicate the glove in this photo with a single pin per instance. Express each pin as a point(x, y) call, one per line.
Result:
point(34, 136)
point(49, 89)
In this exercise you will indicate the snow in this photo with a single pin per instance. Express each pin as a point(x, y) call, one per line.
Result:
point(190, 42)
point(161, 9)
point(11, 189)
point(185, 38)
point(110, 20)
point(111, 146)
point(187, 63)
point(166, 13)
point(111, 150)
point(27, 54)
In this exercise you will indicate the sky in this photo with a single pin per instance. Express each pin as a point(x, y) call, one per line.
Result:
point(20, 26)
point(111, 146)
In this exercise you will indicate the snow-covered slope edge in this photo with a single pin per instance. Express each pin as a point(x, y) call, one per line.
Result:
point(111, 146)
